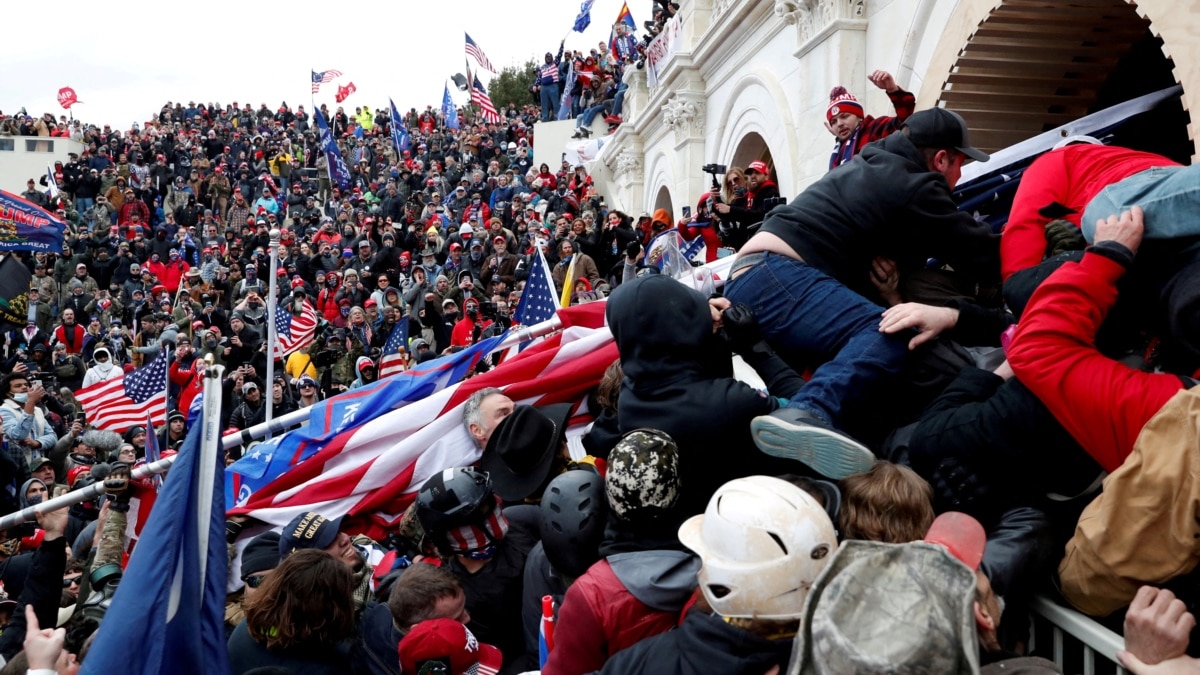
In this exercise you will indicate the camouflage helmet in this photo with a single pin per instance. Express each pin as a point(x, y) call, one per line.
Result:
point(643, 475)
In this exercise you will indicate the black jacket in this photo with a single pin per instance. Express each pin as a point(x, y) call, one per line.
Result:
point(885, 202)
point(679, 379)
point(987, 445)
point(703, 644)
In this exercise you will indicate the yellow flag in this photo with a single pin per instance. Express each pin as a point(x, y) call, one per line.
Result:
point(568, 282)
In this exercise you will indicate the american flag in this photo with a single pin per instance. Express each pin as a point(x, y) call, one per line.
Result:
point(294, 332)
point(126, 400)
point(474, 51)
point(538, 301)
point(371, 472)
point(480, 97)
point(322, 77)
point(395, 351)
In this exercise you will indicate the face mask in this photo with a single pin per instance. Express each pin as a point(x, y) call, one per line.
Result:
point(345, 311)
point(479, 542)
point(476, 255)
point(21, 398)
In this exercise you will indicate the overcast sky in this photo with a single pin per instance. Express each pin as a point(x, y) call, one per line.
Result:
point(126, 58)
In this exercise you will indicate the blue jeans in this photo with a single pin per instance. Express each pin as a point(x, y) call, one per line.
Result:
point(799, 308)
point(619, 99)
point(1169, 197)
point(589, 115)
point(549, 99)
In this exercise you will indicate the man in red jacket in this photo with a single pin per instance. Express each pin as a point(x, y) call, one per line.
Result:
point(1059, 185)
point(1141, 427)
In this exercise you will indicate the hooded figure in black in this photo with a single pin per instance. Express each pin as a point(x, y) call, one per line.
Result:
point(679, 379)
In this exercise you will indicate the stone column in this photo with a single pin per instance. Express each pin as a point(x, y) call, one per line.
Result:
point(684, 113)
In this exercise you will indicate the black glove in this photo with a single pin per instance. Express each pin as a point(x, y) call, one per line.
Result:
point(1062, 236)
point(742, 332)
point(632, 249)
point(118, 487)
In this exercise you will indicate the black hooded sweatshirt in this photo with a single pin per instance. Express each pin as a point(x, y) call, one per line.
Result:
point(679, 379)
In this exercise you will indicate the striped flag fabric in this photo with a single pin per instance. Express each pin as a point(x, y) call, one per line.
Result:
point(538, 301)
point(126, 401)
point(294, 332)
point(480, 98)
point(51, 184)
point(395, 351)
point(371, 472)
point(475, 52)
point(322, 77)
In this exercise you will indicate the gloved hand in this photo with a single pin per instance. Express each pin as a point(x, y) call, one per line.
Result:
point(1063, 236)
point(118, 487)
point(742, 332)
point(632, 249)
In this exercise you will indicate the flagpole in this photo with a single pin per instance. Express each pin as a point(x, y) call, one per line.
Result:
point(210, 437)
point(272, 334)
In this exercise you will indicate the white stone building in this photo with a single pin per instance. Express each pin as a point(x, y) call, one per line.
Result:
point(750, 79)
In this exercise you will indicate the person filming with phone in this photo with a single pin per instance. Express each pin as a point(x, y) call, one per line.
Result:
point(30, 435)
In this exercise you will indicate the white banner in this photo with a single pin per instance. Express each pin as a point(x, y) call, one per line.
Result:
point(661, 49)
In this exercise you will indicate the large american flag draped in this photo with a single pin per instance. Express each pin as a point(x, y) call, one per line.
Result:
point(395, 351)
point(480, 98)
point(474, 51)
point(320, 78)
point(294, 332)
point(371, 472)
point(125, 401)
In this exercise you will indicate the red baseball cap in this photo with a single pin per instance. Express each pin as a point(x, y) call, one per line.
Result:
point(961, 534)
point(758, 166)
point(451, 644)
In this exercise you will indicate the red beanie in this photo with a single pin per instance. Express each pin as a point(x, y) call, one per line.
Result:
point(841, 101)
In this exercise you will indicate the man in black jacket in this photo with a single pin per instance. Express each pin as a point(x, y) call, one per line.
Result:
point(802, 272)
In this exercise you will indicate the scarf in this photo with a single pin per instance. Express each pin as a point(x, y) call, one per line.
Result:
point(844, 151)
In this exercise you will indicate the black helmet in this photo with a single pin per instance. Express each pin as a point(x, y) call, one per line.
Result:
point(452, 498)
point(574, 513)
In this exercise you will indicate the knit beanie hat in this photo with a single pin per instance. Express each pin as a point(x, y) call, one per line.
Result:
point(841, 101)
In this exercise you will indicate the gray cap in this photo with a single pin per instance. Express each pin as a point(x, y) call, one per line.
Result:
point(895, 608)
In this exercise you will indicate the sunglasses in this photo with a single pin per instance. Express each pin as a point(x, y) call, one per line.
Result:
point(255, 580)
point(73, 581)
point(308, 386)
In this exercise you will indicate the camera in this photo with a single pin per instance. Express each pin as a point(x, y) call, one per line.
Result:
point(715, 168)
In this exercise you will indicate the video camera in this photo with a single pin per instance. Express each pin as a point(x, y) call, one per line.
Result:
point(714, 170)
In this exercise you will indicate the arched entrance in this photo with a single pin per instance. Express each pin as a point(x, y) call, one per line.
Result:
point(751, 148)
point(662, 200)
point(1031, 66)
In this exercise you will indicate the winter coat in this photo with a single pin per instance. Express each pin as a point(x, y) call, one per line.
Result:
point(703, 644)
point(679, 379)
point(246, 654)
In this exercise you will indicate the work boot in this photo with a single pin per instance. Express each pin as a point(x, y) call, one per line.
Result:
point(794, 433)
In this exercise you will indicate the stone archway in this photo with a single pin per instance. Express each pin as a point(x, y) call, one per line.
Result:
point(662, 200)
point(1016, 68)
point(751, 148)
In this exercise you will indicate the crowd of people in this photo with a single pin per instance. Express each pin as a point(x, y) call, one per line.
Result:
point(949, 420)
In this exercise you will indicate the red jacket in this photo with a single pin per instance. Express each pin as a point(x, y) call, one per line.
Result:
point(1102, 403)
point(598, 618)
point(73, 340)
point(189, 383)
point(171, 273)
point(1066, 178)
point(874, 128)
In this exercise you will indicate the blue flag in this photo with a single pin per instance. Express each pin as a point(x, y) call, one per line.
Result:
point(564, 107)
point(539, 302)
point(25, 226)
point(585, 16)
point(400, 136)
point(169, 611)
point(267, 461)
point(448, 110)
point(339, 173)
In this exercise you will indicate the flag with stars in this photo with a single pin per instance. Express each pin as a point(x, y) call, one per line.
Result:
point(538, 302)
point(294, 332)
point(395, 351)
point(322, 77)
point(126, 400)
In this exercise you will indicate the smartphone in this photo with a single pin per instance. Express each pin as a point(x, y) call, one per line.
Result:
point(37, 383)
point(687, 212)
point(81, 417)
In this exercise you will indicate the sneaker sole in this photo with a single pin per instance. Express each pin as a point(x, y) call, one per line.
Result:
point(829, 453)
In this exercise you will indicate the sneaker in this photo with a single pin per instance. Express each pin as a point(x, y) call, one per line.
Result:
point(612, 119)
point(587, 133)
point(797, 434)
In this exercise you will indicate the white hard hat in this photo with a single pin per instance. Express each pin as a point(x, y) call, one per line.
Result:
point(762, 541)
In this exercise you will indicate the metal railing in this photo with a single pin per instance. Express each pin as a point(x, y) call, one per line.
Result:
point(1071, 630)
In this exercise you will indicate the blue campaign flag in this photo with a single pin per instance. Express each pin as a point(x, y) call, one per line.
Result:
point(169, 611)
point(339, 173)
point(564, 107)
point(267, 461)
point(585, 16)
point(400, 136)
point(449, 112)
point(25, 226)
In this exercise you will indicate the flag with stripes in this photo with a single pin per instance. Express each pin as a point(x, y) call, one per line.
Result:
point(475, 52)
point(125, 401)
point(395, 351)
point(371, 472)
point(294, 331)
point(480, 98)
point(538, 301)
point(320, 78)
